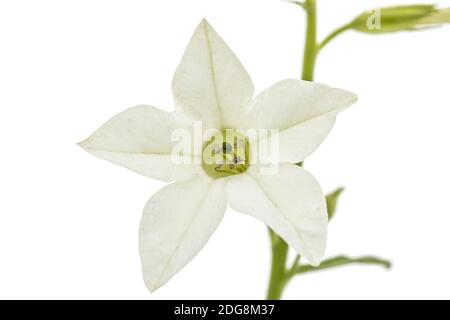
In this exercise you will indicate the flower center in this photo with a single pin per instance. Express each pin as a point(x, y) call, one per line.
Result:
point(226, 154)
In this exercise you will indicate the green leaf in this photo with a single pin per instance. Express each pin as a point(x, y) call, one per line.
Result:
point(332, 201)
point(400, 18)
point(343, 261)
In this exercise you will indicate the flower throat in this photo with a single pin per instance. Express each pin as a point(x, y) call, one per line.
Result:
point(226, 154)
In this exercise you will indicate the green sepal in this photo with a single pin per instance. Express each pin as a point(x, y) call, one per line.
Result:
point(437, 18)
point(332, 201)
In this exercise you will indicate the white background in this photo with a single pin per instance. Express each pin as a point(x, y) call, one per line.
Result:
point(69, 221)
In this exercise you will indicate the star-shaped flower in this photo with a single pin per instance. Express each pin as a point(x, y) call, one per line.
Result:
point(212, 86)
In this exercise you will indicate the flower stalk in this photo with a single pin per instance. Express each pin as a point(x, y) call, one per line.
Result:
point(278, 277)
point(309, 57)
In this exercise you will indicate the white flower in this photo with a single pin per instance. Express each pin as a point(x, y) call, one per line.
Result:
point(211, 85)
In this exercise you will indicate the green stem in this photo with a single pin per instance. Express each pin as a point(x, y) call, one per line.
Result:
point(278, 273)
point(280, 276)
point(332, 36)
point(310, 54)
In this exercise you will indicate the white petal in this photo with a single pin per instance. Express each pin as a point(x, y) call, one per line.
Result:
point(303, 112)
point(211, 84)
point(176, 224)
point(290, 202)
point(140, 139)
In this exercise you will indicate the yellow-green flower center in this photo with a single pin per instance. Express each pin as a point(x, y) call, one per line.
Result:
point(226, 154)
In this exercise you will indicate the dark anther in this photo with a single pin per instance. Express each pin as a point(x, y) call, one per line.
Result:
point(227, 148)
